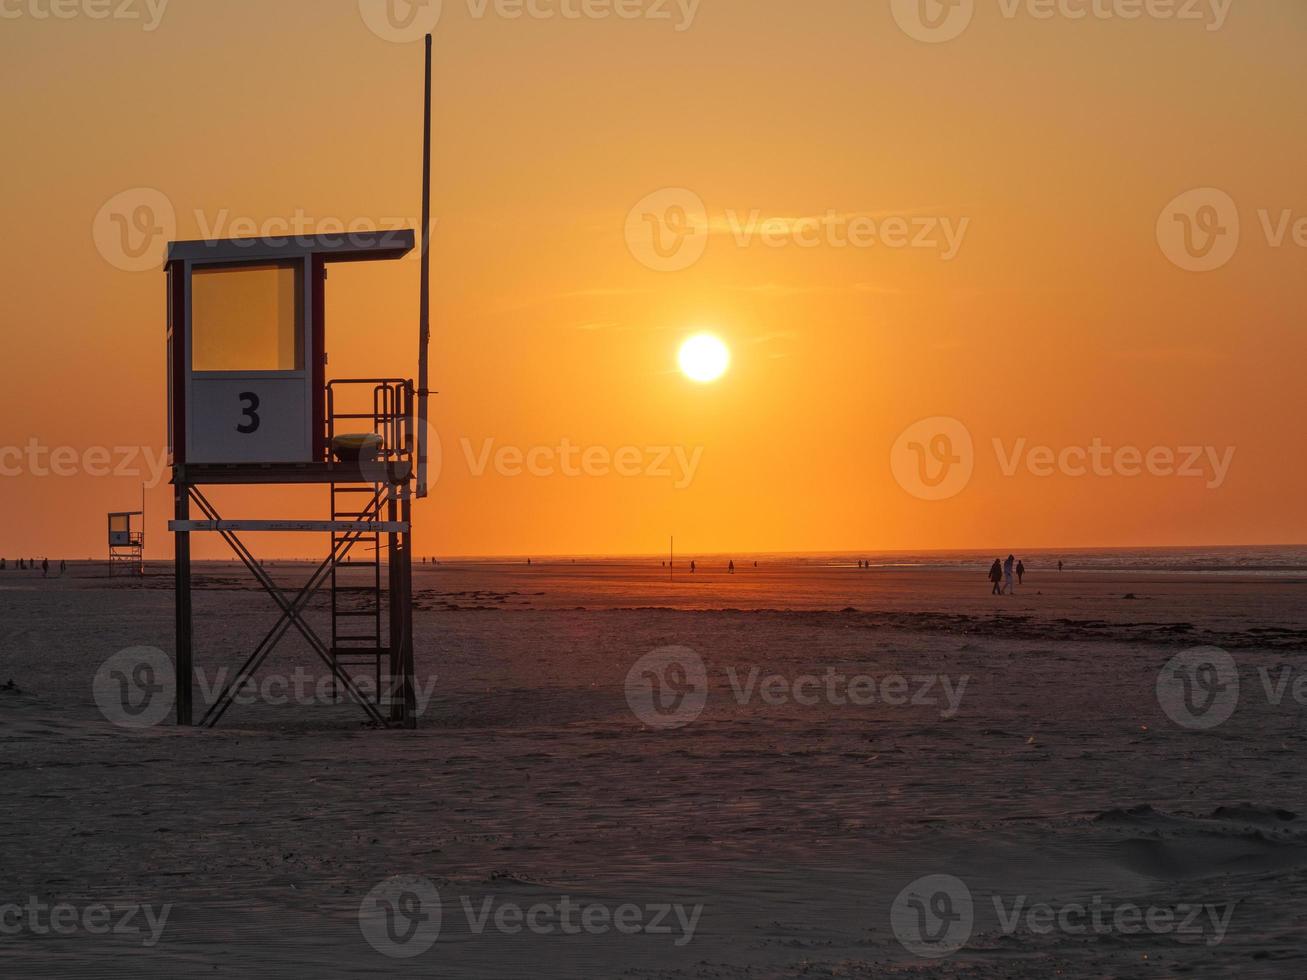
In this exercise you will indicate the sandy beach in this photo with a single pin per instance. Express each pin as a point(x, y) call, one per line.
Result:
point(860, 733)
point(661, 387)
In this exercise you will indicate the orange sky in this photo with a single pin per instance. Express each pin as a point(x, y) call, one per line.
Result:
point(1053, 144)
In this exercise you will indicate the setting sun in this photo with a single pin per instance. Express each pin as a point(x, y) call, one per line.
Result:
point(704, 358)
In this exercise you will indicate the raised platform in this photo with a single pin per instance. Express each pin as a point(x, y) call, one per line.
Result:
point(214, 474)
point(335, 527)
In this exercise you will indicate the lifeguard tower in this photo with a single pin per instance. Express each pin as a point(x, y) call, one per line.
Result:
point(126, 543)
point(249, 404)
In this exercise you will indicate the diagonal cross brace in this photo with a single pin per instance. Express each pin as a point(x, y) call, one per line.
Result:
point(291, 615)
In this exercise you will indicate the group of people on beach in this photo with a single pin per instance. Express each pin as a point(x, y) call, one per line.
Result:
point(694, 566)
point(1000, 574)
point(29, 564)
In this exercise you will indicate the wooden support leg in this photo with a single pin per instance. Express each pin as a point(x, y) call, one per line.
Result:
point(406, 613)
point(182, 566)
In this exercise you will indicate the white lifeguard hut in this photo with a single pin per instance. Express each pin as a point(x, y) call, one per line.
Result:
point(127, 541)
point(249, 404)
point(247, 345)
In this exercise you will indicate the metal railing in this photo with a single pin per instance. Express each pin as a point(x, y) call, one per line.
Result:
point(391, 417)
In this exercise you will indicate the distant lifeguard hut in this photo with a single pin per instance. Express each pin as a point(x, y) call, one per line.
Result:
point(249, 404)
point(127, 543)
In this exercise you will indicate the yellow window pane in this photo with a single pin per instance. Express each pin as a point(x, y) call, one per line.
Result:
point(247, 318)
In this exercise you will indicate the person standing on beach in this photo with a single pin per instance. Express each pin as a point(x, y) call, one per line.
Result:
point(1008, 587)
point(1021, 571)
point(63, 566)
point(691, 568)
point(996, 576)
point(730, 567)
point(1059, 564)
point(45, 568)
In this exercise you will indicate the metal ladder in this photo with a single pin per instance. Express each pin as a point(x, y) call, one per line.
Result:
point(357, 599)
point(356, 595)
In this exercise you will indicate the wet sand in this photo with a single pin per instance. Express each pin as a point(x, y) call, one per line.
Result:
point(1015, 744)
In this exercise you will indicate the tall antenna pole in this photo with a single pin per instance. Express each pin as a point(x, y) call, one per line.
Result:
point(424, 304)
